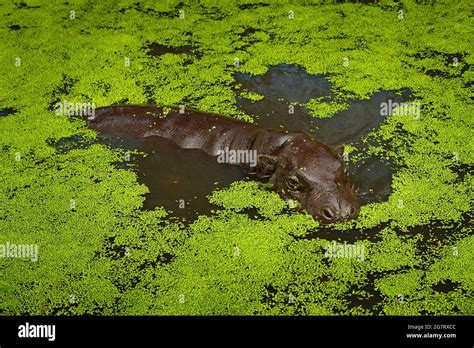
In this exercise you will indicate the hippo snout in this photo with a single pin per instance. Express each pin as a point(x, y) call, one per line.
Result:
point(331, 213)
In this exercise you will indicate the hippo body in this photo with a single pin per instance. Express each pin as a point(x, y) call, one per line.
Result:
point(298, 166)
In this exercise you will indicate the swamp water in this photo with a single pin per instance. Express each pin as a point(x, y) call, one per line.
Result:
point(180, 180)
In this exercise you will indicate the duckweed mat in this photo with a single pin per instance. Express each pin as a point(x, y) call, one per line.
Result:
point(93, 249)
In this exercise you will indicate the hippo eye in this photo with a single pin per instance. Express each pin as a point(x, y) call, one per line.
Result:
point(293, 184)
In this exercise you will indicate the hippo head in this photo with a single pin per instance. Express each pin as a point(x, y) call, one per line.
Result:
point(313, 174)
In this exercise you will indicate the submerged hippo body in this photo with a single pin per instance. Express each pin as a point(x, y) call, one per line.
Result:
point(298, 166)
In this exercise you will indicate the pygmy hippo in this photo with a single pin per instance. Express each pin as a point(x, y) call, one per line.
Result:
point(297, 166)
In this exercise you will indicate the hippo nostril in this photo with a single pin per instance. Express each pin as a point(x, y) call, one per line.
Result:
point(327, 214)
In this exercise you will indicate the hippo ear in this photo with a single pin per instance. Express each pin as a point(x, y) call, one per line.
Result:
point(339, 149)
point(266, 166)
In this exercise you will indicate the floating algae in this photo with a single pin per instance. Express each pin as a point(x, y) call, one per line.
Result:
point(98, 246)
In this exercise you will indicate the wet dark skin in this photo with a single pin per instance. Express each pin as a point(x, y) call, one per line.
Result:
point(297, 166)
